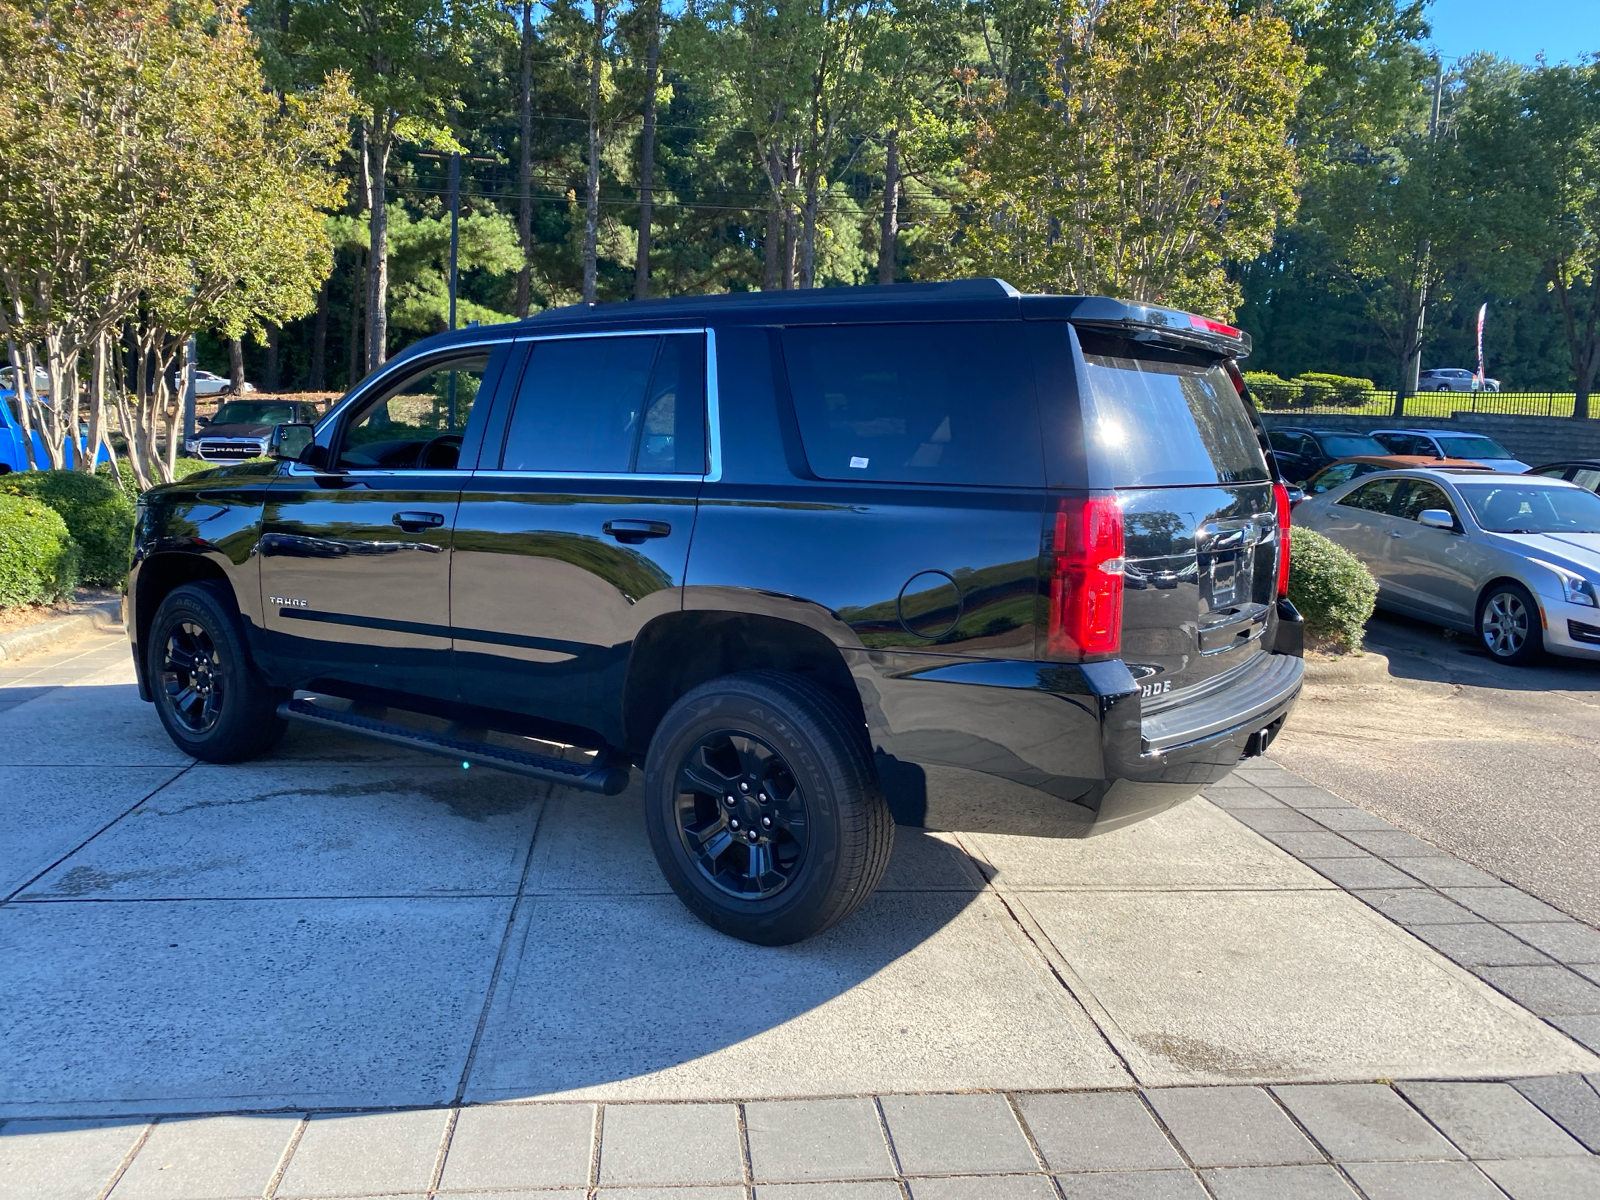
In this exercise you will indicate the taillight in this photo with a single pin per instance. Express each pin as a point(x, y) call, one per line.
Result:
point(1085, 572)
point(1280, 502)
point(1211, 326)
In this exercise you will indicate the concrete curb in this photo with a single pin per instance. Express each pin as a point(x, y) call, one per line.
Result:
point(96, 614)
point(1351, 668)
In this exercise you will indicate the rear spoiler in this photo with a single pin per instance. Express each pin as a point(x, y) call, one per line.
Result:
point(1141, 323)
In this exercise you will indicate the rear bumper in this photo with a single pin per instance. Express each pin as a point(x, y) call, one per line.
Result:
point(1055, 750)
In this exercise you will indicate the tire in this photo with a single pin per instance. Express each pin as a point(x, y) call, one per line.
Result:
point(213, 703)
point(800, 779)
point(1510, 627)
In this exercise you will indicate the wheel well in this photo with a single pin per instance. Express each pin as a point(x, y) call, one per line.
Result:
point(162, 573)
point(1484, 591)
point(676, 653)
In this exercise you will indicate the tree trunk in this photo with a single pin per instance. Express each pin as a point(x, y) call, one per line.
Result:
point(236, 365)
point(647, 158)
point(358, 286)
point(376, 144)
point(97, 408)
point(525, 168)
point(808, 233)
point(591, 196)
point(791, 240)
point(772, 243)
point(273, 380)
point(319, 342)
point(24, 390)
point(888, 244)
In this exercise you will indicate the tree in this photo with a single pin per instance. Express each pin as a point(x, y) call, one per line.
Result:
point(1563, 104)
point(407, 60)
point(1157, 153)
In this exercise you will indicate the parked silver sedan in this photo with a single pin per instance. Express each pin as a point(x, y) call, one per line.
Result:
point(1514, 559)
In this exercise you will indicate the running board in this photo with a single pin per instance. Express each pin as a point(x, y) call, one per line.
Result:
point(589, 777)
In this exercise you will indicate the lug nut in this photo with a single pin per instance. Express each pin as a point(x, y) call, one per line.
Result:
point(733, 824)
point(766, 822)
point(763, 797)
point(729, 800)
point(753, 836)
point(744, 787)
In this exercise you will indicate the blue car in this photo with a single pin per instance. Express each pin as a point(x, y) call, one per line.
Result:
point(12, 453)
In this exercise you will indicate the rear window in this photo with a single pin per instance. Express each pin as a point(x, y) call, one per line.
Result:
point(941, 403)
point(1351, 445)
point(1157, 423)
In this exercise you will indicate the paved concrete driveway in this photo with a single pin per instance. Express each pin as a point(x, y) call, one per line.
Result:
point(340, 927)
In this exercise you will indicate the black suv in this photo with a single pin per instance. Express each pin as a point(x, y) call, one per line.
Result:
point(1301, 453)
point(816, 562)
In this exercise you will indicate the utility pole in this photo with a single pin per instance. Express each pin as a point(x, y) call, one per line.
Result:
point(191, 352)
point(455, 224)
point(1413, 367)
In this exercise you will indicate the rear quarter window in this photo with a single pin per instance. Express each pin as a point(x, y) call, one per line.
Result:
point(937, 403)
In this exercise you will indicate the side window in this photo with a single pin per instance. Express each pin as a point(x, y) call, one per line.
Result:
point(917, 403)
point(416, 423)
point(1585, 477)
point(1423, 495)
point(1283, 441)
point(1551, 472)
point(610, 405)
point(1333, 477)
point(1373, 497)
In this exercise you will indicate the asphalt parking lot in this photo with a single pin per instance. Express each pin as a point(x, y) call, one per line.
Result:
point(342, 971)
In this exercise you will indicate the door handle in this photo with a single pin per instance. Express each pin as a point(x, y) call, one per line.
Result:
point(633, 532)
point(416, 522)
point(1392, 533)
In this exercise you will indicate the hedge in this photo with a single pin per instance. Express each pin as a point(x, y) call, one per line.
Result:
point(130, 487)
point(1333, 590)
point(1305, 391)
point(38, 558)
point(98, 515)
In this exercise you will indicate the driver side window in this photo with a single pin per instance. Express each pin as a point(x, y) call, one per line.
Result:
point(416, 423)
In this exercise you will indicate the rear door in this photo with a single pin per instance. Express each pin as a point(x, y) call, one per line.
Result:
point(1360, 522)
point(1172, 436)
point(574, 530)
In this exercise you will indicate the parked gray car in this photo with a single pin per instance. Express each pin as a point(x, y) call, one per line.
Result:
point(1512, 558)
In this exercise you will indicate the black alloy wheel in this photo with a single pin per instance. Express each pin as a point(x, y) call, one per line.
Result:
point(192, 677)
point(763, 807)
point(210, 698)
point(741, 815)
point(1510, 625)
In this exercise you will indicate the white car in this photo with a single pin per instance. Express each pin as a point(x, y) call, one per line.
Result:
point(1445, 443)
point(208, 384)
point(1514, 559)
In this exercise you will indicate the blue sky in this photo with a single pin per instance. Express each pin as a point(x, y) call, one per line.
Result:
point(1516, 29)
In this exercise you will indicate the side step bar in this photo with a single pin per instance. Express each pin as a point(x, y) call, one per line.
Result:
point(589, 777)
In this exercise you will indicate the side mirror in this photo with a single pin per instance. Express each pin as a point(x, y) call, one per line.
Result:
point(1436, 518)
point(289, 442)
point(202, 420)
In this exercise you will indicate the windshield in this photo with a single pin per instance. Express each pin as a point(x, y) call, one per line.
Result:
point(1530, 508)
point(244, 412)
point(1350, 445)
point(1472, 447)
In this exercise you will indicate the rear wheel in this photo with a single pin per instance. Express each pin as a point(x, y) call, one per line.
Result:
point(763, 809)
point(208, 695)
point(1509, 624)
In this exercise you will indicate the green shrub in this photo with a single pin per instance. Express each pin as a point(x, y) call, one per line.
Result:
point(38, 558)
point(98, 515)
point(130, 486)
point(1319, 387)
point(1269, 391)
point(1330, 586)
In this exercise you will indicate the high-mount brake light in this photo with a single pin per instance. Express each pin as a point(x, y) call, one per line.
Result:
point(1211, 326)
point(1280, 502)
point(1086, 577)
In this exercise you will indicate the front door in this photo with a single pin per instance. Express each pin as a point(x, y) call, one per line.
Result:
point(1433, 570)
point(355, 556)
point(574, 533)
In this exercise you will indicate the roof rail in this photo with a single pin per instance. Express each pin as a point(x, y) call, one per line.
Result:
point(955, 289)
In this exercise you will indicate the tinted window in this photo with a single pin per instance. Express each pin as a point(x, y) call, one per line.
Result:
point(1349, 445)
point(1421, 496)
point(244, 412)
point(1529, 508)
point(1552, 472)
point(1158, 422)
point(1473, 447)
point(935, 403)
point(1373, 497)
point(1331, 478)
point(611, 405)
point(417, 421)
point(1586, 478)
point(1402, 443)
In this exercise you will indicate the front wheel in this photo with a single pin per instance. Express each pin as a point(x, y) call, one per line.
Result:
point(1509, 624)
point(763, 808)
point(208, 695)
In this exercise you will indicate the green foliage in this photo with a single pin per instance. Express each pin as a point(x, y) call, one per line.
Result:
point(97, 514)
point(182, 469)
point(38, 558)
point(1319, 387)
point(1334, 592)
point(1269, 391)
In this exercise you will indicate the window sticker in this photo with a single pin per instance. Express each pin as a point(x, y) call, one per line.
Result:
point(859, 464)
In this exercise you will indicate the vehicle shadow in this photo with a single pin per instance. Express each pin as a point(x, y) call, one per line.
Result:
point(337, 926)
point(1422, 651)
